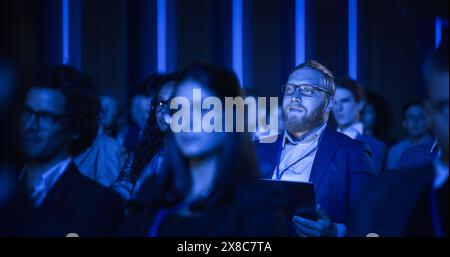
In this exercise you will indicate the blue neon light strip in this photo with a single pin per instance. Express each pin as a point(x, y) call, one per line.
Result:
point(65, 32)
point(437, 31)
point(353, 39)
point(161, 36)
point(300, 32)
point(237, 38)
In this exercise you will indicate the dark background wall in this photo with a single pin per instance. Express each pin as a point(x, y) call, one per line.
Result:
point(105, 44)
point(115, 40)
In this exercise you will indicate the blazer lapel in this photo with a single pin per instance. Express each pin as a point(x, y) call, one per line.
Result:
point(325, 153)
point(62, 185)
point(268, 156)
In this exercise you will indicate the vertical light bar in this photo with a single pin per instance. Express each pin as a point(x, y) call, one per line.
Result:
point(353, 39)
point(161, 36)
point(65, 32)
point(300, 32)
point(437, 31)
point(237, 38)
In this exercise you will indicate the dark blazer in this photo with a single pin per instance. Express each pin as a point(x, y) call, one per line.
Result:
point(78, 205)
point(377, 148)
point(15, 211)
point(252, 209)
point(388, 201)
point(341, 168)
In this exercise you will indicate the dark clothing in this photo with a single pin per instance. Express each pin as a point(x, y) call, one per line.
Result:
point(417, 156)
point(131, 137)
point(341, 168)
point(377, 148)
point(77, 205)
point(398, 204)
point(15, 214)
point(251, 210)
point(420, 223)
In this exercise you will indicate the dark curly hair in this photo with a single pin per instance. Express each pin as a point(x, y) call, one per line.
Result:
point(82, 102)
point(152, 136)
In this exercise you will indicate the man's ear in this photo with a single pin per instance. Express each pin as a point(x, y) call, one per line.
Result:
point(330, 104)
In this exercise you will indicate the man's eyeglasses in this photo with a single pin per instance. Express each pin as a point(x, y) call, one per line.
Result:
point(43, 119)
point(305, 89)
point(159, 104)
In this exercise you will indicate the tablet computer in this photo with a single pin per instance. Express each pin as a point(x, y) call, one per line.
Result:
point(301, 197)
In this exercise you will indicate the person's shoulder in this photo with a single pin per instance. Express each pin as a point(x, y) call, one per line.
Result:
point(103, 145)
point(384, 198)
point(394, 180)
point(107, 142)
point(90, 189)
point(345, 141)
point(331, 133)
point(419, 148)
point(400, 146)
point(373, 141)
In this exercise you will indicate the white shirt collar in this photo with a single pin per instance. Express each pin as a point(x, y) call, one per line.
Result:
point(435, 146)
point(309, 136)
point(44, 183)
point(353, 131)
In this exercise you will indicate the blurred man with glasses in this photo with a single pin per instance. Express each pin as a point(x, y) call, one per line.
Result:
point(60, 121)
point(309, 151)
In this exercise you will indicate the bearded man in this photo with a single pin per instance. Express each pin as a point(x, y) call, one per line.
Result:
point(308, 151)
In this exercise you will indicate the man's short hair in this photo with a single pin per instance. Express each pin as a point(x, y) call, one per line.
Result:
point(326, 73)
point(353, 86)
point(82, 102)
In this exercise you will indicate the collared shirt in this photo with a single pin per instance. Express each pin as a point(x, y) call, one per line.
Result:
point(45, 182)
point(441, 173)
point(297, 156)
point(435, 148)
point(352, 131)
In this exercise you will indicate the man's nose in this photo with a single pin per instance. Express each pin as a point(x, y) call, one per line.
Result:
point(297, 96)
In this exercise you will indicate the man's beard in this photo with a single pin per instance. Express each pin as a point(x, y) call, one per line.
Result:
point(305, 123)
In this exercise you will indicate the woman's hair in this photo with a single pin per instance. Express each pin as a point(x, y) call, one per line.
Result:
point(152, 136)
point(237, 161)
